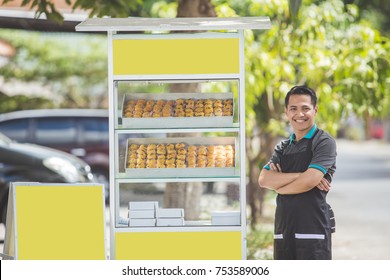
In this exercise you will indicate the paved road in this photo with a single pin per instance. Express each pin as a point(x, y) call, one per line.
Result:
point(360, 197)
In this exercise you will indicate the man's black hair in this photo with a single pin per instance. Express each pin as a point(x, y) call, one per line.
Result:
point(301, 90)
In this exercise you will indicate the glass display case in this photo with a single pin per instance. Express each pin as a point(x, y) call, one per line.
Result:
point(177, 136)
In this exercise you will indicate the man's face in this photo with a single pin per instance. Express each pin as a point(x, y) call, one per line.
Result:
point(300, 113)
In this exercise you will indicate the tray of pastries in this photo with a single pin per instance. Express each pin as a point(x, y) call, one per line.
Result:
point(141, 110)
point(181, 157)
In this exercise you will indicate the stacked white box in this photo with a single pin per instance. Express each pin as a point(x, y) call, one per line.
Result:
point(142, 213)
point(143, 205)
point(169, 212)
point(225, 218)
point(142, 222)
point(167, 217)
point(170, 222)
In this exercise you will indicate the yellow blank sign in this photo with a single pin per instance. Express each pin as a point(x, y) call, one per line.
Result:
point(216, 245)
point(176, 56)
point(60, 222)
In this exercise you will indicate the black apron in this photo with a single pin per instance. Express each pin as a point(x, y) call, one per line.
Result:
point(303, 222)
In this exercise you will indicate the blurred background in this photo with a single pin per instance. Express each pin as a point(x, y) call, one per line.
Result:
point(340, 48)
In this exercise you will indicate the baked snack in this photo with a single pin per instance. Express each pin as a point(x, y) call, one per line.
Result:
point(151, 163)
point(179, 155)
point(229, 155)
point(161, 149)
point(167, 109)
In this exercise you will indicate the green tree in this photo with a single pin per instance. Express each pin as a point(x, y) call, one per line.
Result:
point(76, 76)
point(323, 44)
point(375, 11)
point(327, 47)
point(99, 8)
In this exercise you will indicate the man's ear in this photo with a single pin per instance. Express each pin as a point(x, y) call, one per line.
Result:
point(316, 109)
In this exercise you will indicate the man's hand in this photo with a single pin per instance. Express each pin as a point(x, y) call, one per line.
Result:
point(324, 185)
point(275, 167)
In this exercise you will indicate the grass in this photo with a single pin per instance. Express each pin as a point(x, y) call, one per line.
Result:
point(260, 243)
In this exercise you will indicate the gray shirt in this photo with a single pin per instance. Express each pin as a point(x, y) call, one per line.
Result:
point(323, 148)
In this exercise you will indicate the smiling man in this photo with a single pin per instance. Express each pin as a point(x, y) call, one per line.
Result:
point(300, 171)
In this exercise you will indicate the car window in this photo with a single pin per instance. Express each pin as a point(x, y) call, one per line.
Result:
point(15, 129)
point(55, 131)
point(95, 129)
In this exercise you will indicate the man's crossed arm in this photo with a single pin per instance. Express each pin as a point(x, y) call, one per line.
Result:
point(292, 183)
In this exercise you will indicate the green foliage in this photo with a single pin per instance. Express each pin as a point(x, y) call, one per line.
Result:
point(74, 67)
point(99, 8)
point(163, 9)
point(22, 102)
point(344, 60)
point(259, 243)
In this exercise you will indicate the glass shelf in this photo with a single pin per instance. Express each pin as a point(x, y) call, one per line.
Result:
point(168, 204)
point(163, 104)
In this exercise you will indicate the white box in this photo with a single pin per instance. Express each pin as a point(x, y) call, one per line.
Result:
point(225, 218)
point(142, 214)
point(168, 222)
point(142, 222)
point(169, 212)
point(143, 205)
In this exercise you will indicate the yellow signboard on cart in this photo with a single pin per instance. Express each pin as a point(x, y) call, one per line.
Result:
point(56, 222)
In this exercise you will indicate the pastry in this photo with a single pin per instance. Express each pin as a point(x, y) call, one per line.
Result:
point(141, 164)
point(180, 164)
point(171, 154)
point(146, 115)
point(192, 149)
point(151, 163)
point(180, 146)
point(191, 161)
point(217, 103)
point(170, 147)
point(167, 109)
point(199, 114)
point(218, 112)
point(161, 162)
point(189, 112)
point(161, 149)
point(210, 163)
point(181, 151)
point(208, 102)
point(227, 110)
point(170, 162)
point(208, 111)
point(133, 147)
point(179, 113)
point(202, 150)
point(190, 104)
point(151, 147)
point(181, 157)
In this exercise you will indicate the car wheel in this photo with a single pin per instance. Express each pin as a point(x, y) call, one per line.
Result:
point(3, 211)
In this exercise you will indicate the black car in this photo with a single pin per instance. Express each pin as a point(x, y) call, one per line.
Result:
point(80, 132)
point(33, 163)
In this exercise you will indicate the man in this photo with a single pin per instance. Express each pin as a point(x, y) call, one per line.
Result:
point(300, 171)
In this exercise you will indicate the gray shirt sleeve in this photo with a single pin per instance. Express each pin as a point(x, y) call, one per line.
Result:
point(278, 151)
point(324, 154)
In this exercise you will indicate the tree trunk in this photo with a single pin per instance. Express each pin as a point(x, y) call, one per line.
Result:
point(188, 195)
point(255, 194)
point(195, 8)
